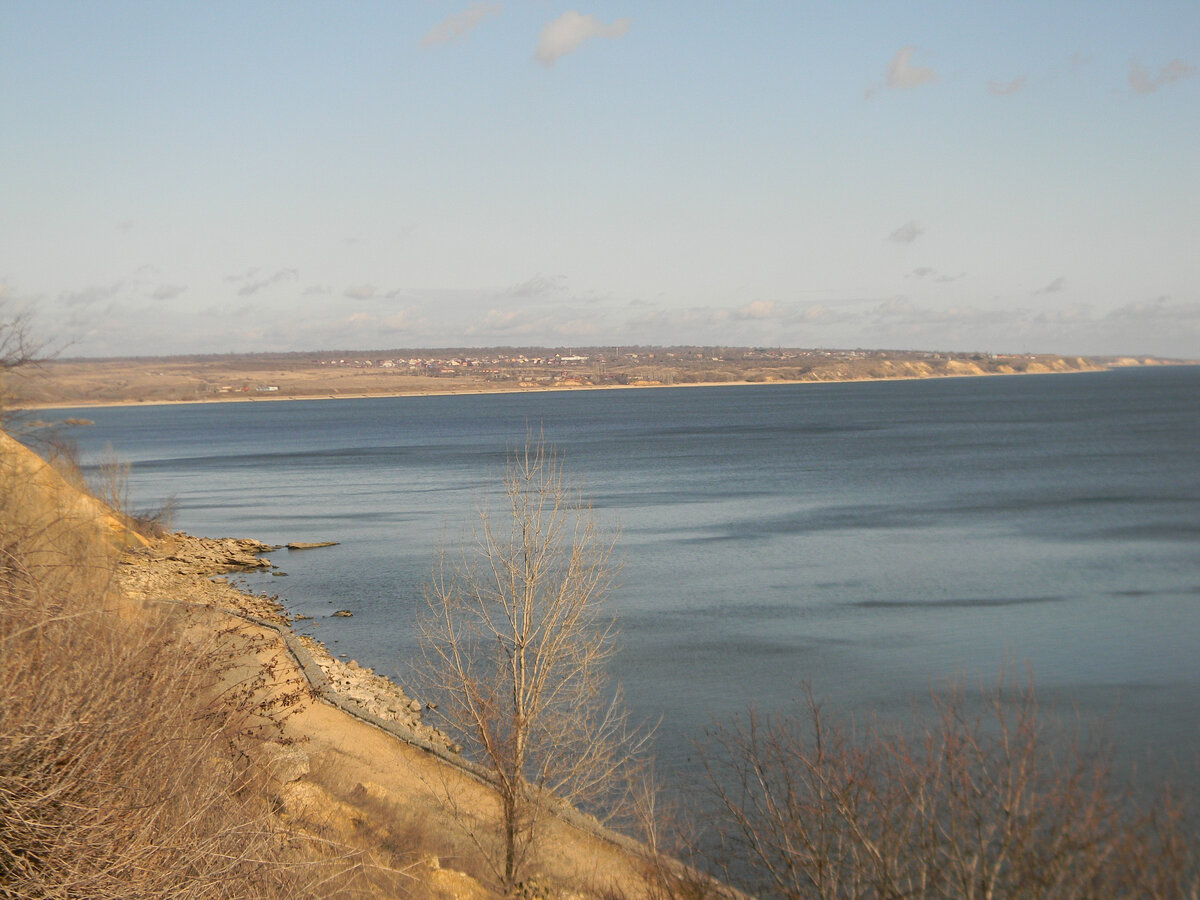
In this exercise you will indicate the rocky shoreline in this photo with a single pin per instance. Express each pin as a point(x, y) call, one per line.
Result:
point(183, 568)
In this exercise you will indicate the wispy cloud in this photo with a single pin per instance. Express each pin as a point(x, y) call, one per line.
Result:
point(568, 31)
point(538, 286)
point(901, 311)
point(1004, 88)
point(88, 296)
point(253, 287)
point(932, 273)
point(754, 322)
point(906, 233)
point(1140, 81)
point(902, 74)
point(428, 317)
point(1077, 315)
point(167, 291)
point(534, 326)
point(819, 314)
point(1053, 287)
point(757, 309)
point(457, 25)
point(1162, 309)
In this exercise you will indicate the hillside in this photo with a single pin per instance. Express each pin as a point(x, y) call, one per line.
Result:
point(167, 735)
point(82, 382)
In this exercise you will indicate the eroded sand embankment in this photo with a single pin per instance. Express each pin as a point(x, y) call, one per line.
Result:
point(356, 757)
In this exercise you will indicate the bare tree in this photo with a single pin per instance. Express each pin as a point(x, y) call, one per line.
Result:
point(17, 347)
point(515, 644)
point(18, 350)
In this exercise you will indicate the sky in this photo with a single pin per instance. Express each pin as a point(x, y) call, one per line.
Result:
point(1008, 177)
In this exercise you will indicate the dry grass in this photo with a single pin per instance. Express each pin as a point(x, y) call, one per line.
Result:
point(124, 770)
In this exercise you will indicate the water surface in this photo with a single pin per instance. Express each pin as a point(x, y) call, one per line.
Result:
point(872, 539)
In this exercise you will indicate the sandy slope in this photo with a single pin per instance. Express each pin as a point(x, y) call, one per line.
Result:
point(347, 779)
point(332, 774)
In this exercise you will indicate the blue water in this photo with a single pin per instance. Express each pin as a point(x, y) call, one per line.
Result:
point(873, 540)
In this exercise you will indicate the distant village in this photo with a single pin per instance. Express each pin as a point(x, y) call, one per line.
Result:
point(617, 365)
point(456, 369)
point(598, 366)
point(454, 365)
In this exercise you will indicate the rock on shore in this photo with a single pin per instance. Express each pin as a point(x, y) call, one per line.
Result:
point(181, 567)
point(374, 694)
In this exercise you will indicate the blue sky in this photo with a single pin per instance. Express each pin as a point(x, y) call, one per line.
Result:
point(213, 177)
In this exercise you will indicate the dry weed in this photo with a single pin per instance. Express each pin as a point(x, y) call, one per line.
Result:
point(126, 753)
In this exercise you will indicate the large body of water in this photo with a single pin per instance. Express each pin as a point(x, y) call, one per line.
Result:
point(871, 539)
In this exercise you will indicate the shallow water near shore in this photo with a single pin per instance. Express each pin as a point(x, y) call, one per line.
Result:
point(871, 539)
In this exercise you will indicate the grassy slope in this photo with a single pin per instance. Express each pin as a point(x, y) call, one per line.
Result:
point(154, 749)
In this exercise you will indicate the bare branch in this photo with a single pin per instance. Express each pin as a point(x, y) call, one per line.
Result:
point(980, 802)
point(515, 643)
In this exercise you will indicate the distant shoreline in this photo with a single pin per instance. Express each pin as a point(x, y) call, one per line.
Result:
point(541, 389)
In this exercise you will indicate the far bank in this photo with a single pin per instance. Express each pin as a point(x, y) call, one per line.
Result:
point(96, 383)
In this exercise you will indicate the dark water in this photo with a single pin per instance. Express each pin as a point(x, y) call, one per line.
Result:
point(873, 539)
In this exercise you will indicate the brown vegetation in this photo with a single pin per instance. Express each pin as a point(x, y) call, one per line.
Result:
point(988, 804)
point(124, 761)
point(153, 743)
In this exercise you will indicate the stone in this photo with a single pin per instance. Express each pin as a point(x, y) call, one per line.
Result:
point(372, 790)
point(285, 764)
point(309, 803)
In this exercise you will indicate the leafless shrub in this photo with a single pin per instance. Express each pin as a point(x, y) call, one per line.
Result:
point(987, 804)
point(111, 486)
point(63, 456)
point(673, 867)
point(154, 521)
